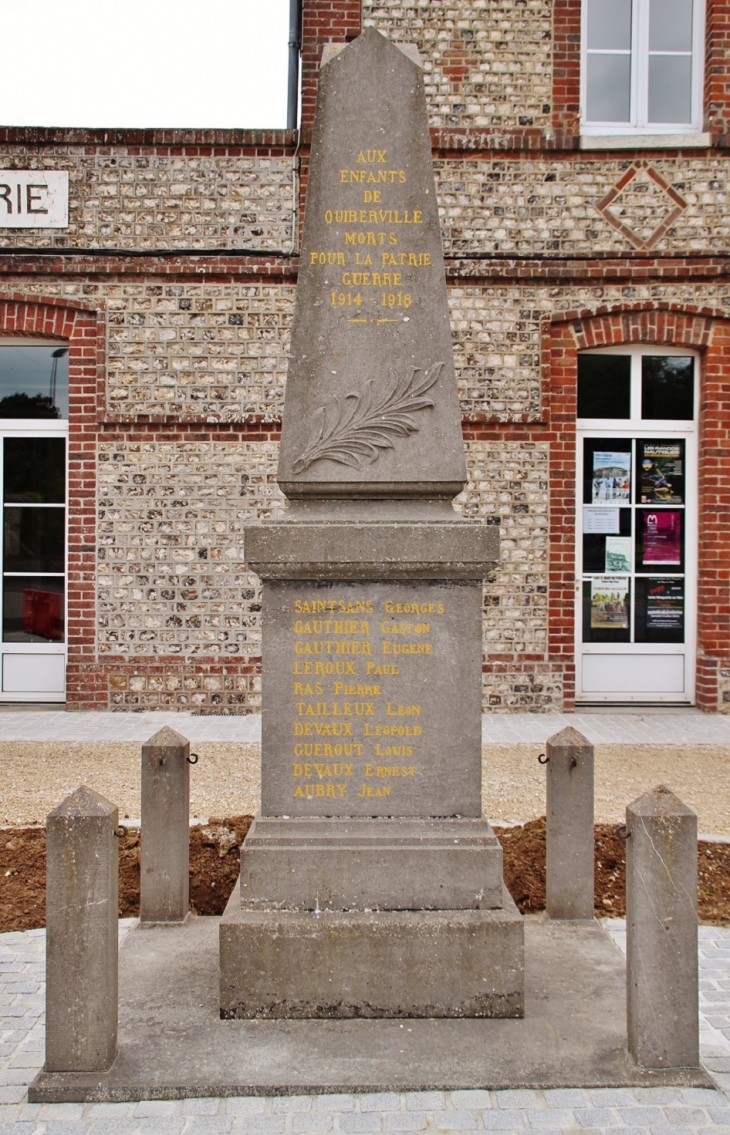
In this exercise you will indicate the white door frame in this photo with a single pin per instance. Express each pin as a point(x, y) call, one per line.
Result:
point(633, 428)
point(34, 427)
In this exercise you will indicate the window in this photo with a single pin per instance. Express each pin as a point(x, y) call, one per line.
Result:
point(642, 66)
point(33, 381)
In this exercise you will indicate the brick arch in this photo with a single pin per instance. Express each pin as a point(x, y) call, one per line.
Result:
point(22, 314)
point(648, 323)
point(659, 322)
point(82, 326)
point(664, 326)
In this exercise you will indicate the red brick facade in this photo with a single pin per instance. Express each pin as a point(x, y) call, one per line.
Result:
point(566, 71)
point(717, 71)
point(663, 325)
point(562, 339)
point(327, 21)
point(543, 301)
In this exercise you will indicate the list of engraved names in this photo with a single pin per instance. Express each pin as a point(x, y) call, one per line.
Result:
point(353, 731)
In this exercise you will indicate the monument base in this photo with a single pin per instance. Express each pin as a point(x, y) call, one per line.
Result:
point(173, 1044)
point(361, 863)
point(333, 964)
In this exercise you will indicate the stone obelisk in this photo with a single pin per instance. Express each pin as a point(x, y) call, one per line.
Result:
point(371, 883)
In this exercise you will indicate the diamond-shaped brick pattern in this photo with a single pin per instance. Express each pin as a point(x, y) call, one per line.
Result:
point(642, 206)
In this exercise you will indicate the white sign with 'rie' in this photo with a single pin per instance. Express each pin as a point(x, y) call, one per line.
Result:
point(33, 199)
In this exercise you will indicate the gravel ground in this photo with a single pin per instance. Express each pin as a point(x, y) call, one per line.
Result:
point(38, 774)
point(514, 782)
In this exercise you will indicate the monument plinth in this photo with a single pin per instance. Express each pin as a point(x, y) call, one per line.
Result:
point(371, 883)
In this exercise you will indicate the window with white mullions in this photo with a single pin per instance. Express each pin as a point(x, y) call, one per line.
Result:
point(642, 66)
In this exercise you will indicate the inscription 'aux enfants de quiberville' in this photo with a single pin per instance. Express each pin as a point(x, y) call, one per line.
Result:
point(349, 659)
point(372, 269)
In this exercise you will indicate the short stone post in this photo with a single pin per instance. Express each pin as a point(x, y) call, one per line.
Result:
point(569, 882)
point(165, 836)
point(662, 981)
point(82, 904)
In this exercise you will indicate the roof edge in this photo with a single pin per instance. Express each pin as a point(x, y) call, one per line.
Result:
point(123, 136)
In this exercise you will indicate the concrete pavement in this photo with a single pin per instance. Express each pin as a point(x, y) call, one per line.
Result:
point(656, 728)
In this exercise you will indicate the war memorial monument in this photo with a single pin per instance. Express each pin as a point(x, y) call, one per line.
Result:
point(371, 883)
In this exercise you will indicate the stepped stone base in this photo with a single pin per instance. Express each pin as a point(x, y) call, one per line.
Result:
point(371, 864)
point(173, 1044)
point(333, 964)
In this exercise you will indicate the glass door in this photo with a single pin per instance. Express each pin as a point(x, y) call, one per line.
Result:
point(33, 532)
point(636, 527)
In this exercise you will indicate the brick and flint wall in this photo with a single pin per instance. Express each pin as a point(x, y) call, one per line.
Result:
point(174, 286)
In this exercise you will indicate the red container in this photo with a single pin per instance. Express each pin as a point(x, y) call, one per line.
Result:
point(42, 615)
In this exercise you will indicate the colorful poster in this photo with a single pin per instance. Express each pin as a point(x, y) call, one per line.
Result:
point(611, 477)
point(599, 521)
point(618, 553)
point(665, 604)
point(662, 537)
point(662, 472)
point(609, 603)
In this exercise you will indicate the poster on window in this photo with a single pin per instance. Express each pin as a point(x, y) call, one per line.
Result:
point(618, 554)
point(611, 477)
point(610, 603)
point(662, 537)
point(665, 604)
point(661, 467)
point(599, 521)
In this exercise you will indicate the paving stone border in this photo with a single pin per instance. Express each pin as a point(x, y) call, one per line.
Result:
point(639, 1111)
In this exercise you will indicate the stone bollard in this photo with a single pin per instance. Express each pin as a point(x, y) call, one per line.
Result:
point(82, 887)
point(165, 837)
point(662, 983)
point(569, 881)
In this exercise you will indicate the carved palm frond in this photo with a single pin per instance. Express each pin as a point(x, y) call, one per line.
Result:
point(362, 425)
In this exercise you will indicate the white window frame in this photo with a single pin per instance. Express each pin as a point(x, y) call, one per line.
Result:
point(639, 100)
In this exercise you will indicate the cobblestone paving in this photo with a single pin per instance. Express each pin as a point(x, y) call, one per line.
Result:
point(634, 1111)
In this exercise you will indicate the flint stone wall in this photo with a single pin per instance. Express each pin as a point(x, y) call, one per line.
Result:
point(197, 352)
point(170, 573)
point(171, 579)
point(532, 205)
point(549, 207)
point(133, 197)
point(218, 352)
point(723, 685)
point(486, 64)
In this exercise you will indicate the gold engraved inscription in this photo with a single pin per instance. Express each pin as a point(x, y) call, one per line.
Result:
point(371, 183)
point(349, 724)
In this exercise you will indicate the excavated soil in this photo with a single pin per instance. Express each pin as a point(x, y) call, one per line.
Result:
point(214, 869)
point(524, 872)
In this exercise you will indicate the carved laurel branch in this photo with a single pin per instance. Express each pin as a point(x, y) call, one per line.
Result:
point(360, 428)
